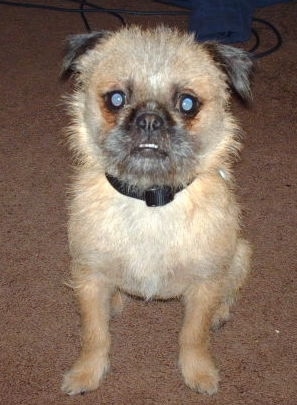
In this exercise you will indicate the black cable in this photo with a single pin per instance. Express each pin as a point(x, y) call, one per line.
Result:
point(279, 40)
point(114, 12)
point(80, 10)
point(257, 43)
point(84, 18)
point(95, 8)
point(88, 7)
point(40, 6)
point(132, 12)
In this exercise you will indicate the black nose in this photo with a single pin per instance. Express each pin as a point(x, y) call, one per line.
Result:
point(149, 122)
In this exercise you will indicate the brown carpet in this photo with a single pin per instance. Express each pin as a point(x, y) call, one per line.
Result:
point(256, 351)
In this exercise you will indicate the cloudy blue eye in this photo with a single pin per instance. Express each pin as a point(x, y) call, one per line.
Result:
point(115, 100)
point(188, 104)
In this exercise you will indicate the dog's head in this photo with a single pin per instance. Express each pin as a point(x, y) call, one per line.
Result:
point(151, 106)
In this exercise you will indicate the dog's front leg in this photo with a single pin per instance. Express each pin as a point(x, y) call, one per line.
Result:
point(195, 360)
point(94, 295)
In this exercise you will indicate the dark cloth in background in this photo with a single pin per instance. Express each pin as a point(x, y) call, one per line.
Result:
point(222, 20)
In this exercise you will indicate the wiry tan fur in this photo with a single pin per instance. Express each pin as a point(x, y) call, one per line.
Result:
point(190, 248)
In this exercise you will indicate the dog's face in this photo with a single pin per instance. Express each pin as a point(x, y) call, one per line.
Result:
point(151, 107)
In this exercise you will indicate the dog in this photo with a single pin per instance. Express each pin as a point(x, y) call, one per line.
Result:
point(152, 211)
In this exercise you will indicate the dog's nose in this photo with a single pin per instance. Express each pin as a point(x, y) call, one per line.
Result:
point(149, 122)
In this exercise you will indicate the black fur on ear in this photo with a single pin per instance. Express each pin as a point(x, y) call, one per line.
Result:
point(76, 46)
point(237, 64)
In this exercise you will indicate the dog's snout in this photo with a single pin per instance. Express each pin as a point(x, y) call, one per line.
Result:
point(149, 122)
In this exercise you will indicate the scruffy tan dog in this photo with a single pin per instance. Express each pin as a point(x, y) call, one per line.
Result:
point(153, 212)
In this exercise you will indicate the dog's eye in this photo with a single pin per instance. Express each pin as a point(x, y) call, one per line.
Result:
point(188, 104)
point(115, 100)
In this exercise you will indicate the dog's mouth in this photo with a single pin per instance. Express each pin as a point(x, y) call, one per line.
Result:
point(148, 146)
point(147, 149)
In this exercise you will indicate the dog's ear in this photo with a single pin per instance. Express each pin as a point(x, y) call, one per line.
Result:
point(237, 64)
point(76, 46)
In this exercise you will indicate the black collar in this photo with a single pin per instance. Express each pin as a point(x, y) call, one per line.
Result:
point(155, 196)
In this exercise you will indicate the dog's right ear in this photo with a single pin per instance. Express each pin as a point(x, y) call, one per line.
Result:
point(78, 45)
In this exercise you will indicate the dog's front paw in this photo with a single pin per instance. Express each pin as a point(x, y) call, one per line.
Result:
point(84, 376)
point(199, 372)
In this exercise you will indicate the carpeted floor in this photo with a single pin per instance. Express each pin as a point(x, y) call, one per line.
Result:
point(39, 323)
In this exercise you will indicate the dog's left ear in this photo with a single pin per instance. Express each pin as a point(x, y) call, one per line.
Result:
point(237, 64)
point(78, 45)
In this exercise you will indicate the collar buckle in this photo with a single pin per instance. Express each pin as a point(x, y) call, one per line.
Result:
point(158, 196)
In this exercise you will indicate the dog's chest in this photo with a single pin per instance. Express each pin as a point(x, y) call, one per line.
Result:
point(153, 247)
point(148, 265)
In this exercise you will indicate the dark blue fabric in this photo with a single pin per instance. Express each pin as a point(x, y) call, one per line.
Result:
point(222, 20)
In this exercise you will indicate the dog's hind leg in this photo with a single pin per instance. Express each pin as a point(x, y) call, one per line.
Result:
point(238, 272)
point(117, 302)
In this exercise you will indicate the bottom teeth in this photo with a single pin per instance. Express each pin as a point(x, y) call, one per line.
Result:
point(148, 145)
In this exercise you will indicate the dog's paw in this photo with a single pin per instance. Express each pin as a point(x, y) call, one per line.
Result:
point(117, 303)
point(84, 377)
point(205, 383)
point(200, 374)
